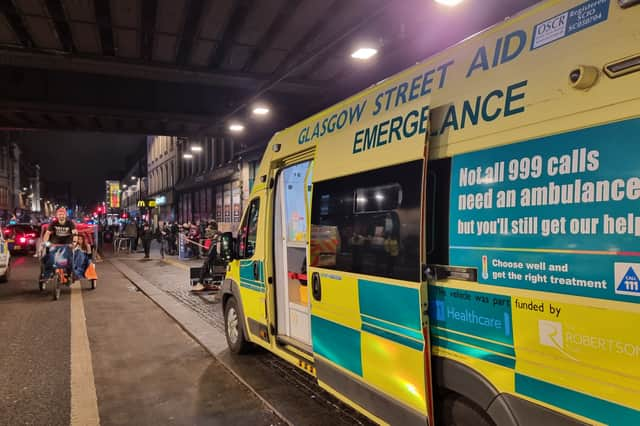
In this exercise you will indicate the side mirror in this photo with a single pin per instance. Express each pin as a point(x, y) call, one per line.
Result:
point(227, 251)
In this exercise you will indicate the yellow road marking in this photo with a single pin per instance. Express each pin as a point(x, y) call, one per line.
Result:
point(84, 402)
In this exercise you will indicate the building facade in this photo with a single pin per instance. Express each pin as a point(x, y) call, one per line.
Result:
point(134, 187)
point(214, 180)
point(6, 173)
point(20, 192)
point(162, 168)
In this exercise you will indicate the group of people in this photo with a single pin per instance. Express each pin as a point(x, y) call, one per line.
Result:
point(168, 233)
point(200, 240)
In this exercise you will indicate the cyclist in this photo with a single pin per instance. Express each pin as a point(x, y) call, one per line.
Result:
point(59, 232)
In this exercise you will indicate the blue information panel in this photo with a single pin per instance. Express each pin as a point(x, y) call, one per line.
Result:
point(558, 214)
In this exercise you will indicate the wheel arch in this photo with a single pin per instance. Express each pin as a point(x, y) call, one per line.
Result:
point(502, 408)
point(461, 379)
point(230, 289)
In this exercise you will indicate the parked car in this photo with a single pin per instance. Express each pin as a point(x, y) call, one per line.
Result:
point(5, 258)
point(21, 237)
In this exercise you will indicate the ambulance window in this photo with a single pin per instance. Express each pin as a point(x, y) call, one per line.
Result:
point(249, 231)
point(369, 223)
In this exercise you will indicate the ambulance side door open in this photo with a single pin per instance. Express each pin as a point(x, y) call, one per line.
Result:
point(369, 321)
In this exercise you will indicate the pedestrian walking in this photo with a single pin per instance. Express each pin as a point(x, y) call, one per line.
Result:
point(146, 236)
point(162, 234)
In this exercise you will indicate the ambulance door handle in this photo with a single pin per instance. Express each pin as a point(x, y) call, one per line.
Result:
point(256, 271)
point(316, 288)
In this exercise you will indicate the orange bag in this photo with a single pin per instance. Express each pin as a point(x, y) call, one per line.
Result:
point(90, 272)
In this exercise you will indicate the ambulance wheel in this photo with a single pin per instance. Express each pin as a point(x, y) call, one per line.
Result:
point(456, 410)
point(233, 329)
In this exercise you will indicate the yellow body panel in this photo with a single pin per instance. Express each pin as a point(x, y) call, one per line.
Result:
point(403, 374)
point(342, 295)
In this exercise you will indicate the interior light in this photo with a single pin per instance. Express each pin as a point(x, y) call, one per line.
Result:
point(261, 111)
point(449, 2)
point(364, 53)
point(236, 127)
point(379, 196)
point(133, 178)
point(196, 148)
point(187, 156)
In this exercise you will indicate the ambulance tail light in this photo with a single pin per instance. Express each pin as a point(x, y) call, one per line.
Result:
point(623, 66)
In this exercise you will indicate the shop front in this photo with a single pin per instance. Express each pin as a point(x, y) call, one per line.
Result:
point(164, 210)
point(217, 196)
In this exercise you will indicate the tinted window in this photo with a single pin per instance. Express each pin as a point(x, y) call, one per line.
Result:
point(369, 223)
point(248, 233)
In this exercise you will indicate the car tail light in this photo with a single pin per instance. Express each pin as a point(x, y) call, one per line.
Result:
point(32, 235)
point(23, 240)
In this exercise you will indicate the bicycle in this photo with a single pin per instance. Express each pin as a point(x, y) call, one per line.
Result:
point(60, 259)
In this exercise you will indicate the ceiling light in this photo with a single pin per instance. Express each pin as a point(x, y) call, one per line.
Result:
point(364, 53)
point(261, 111)
point(449, 2)
point(236, 127)
point(133, 178)
point(187, 156)
point(196, 148)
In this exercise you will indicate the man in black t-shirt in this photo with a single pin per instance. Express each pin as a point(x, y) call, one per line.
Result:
point(61, 230)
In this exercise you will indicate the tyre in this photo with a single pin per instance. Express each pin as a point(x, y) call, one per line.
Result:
point(93, 284)
point(456, 410)
point(55, 287)
point(233, 329)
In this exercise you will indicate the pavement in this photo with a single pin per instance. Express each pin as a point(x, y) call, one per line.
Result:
point(288, 391)
point(112, 349)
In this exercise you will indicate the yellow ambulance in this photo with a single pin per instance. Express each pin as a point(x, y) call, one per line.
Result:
point(461, 242)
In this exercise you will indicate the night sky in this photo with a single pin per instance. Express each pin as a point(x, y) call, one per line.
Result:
point(85, 159)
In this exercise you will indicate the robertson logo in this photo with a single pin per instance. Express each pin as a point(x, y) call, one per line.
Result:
point(551, 334)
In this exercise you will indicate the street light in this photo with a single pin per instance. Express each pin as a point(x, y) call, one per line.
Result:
point(261, 110)
point(364, 53)
point(450, 3)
